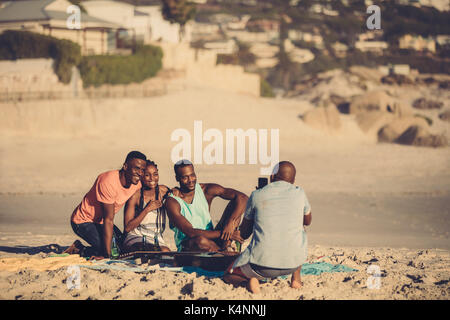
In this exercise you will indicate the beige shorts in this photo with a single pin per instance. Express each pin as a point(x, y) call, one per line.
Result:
point(245, 271)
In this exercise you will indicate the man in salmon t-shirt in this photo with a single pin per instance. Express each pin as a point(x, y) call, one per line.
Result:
point(93, 219)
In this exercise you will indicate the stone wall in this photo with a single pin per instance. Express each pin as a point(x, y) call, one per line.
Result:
point(34, 79)
point(201, 69)
point(28, 79)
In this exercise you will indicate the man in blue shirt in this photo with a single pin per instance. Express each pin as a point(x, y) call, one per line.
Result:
point(275, 214)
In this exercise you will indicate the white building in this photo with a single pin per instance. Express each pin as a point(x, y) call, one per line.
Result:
point(297, 54)
point(146, 23)
point(221, 47)
point(163, 30)
point(443, 40)
point(441, 5)
point(264, 50)
point(298, 35)
point(123, 14)
point(205, 31)
point(417, 43)
point(372, 46)
point(247, 36)
point(321, 9)
point(370, 35)
point(49, 17)
point(400, 69)
point(239, 24)
point(340, 49)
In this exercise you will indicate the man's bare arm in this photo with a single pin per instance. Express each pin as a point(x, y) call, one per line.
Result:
point(108, 226)
point(307, 219)
point(246, 228)
point(173, 212)
point(239, 199)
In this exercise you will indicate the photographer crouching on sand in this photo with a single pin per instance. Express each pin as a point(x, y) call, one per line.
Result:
point(275, 214)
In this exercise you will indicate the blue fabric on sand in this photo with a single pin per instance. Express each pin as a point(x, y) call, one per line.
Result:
point(316, 268)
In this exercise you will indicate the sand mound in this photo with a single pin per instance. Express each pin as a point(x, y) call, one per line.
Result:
point(394, 129)
point(378, 101)
point(324, 118)
point(372, 122)
point(423, 103)
point(419, 136)
point(368, 74)
point(445, 116)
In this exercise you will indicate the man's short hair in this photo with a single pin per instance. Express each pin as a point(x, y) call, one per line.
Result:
point(181, 164)
point(135, 155)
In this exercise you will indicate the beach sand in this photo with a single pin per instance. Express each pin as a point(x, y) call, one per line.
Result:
point(373, 204)
point(403, 274)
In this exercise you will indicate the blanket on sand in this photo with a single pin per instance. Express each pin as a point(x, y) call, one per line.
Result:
point(315, 268)
point(57, 261)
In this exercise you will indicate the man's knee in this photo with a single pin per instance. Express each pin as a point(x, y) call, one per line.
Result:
point(201, 242)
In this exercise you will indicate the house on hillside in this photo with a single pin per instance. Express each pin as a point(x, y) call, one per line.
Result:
point(443, 40)
point(323, 9)
point(222, 47)
point(399, 69)
point(298, 35)
point(372, 35)
point(135, 22)
point(417, 43)
point(49, 17)
point(205, 31)
point(238, 24)
point(264, 25)
point(415, 3)
point(371, 46)
point(143, 23)
point(297, 54)
point(265, 54)
point(441, 5)
point(340, 49)
point(162, 30)
point(252, 37)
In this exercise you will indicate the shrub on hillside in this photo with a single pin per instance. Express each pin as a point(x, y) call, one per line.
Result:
point(23, 44)
point(144, 63)
point(266, 89)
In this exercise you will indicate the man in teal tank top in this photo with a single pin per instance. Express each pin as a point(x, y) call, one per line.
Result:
point(188, 212)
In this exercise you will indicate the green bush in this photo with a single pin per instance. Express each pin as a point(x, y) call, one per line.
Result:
point(96, 70)
point(266, 89)
point(114, 69)
point(23, 44)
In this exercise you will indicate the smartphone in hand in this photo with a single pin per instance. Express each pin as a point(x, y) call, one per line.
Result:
point(262, 182)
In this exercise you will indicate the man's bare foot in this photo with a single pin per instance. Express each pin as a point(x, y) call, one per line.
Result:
point(296, 280)
point(75, 247)
point(295, 284)
point(253, 285)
